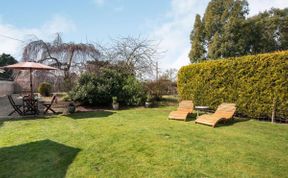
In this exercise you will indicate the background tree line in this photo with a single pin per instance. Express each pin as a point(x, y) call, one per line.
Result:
point(92, 73)
point(225, 31)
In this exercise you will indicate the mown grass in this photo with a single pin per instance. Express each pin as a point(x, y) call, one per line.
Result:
point(140, 143)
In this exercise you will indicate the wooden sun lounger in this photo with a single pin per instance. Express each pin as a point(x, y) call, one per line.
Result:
point(184, 109)
point(224, 112)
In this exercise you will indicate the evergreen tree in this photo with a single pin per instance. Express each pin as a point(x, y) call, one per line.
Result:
point(6, 59)
point(269, 31)
point(234, 41)
point(214, 51)
point(197, 52)
point(226, 32)
point(214, 17)
point(283, 29)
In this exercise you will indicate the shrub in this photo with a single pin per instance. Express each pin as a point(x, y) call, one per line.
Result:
point(133, 93)
point(95, 89)
point(252, 82)
point(45, 89)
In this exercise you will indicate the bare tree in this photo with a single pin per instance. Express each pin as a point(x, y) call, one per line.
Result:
point(68, 57)
point(135, 54)
point(170, 74)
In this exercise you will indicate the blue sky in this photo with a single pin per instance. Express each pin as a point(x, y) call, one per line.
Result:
point(168, 22)
point(92, 18)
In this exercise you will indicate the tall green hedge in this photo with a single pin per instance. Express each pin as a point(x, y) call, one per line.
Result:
point(252, 82)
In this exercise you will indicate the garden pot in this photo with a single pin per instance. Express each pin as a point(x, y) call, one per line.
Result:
point(71, 108)
point(148, 104)
point(115, 106)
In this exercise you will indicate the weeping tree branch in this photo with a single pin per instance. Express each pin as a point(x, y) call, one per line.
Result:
point(68, 57)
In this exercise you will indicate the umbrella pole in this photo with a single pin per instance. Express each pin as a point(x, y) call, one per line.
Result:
point(31, 86)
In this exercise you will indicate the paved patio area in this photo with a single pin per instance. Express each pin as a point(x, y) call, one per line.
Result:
point(6, 108)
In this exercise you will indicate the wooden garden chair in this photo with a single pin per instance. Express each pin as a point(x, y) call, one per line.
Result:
point(224, 112)
point(185, 108)
point(49, 105)
point(16, 107)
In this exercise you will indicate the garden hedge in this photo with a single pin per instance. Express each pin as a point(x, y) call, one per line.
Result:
point(253, 82)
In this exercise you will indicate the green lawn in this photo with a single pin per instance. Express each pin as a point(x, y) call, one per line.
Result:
point(140, 143)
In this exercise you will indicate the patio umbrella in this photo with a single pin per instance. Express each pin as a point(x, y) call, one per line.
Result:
point(30, 66)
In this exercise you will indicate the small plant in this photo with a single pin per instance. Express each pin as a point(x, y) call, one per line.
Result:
point(149, 98)
point(45, 89)
point(115, 103)
point(114, 99)
point(71, 108)
point(149, 101)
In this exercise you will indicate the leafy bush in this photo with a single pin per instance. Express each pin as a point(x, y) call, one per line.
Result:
point(45, 89)
point(133, 93)
point(252, 82)
point(95, 89)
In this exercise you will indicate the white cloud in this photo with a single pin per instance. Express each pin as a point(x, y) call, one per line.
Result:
point(174, 31)
point(45, 32)
point(59, 24)
point(256, 6)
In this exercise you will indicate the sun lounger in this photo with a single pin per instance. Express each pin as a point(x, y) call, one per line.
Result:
point(224, 112)
point(184, 109)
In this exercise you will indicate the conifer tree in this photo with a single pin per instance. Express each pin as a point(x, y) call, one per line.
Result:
point(197, 52)
point(214, 51)
point(233, 40)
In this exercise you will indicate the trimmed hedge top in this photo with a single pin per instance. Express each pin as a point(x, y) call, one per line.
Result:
point(253, 82)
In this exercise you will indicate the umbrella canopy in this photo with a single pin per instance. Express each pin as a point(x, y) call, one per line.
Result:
point(30, 66)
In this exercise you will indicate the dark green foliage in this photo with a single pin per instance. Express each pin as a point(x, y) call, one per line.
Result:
point(197, 41)
point(45, 89)
point(234, 38)
point(226, 32)
point(268, 31)
point(214, 50)
point(252, 82)
point(6, 59)
point(222, 28)
point(95, 89)
point(215, 17)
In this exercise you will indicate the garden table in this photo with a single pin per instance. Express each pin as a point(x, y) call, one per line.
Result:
point(201, 108)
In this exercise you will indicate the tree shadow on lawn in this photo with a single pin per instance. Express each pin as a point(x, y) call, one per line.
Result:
point(43, 158)
point(232, 122)
point(90, 114)
point(192, 117)
point(28, 117)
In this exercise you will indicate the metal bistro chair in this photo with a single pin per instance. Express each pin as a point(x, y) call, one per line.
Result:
point(16, 107)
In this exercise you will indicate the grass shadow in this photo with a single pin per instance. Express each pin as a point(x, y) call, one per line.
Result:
point(232, 122)
point(29, 117)
point(43, 158)
point(191, 117)
point(90, 114)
